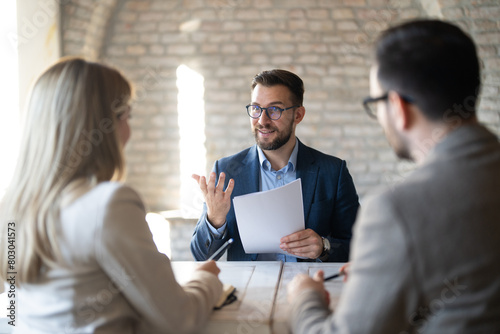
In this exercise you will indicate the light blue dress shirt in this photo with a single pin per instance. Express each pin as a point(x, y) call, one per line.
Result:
point(270, 179)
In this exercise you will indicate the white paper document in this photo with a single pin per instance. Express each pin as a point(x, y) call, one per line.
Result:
point(265, 217)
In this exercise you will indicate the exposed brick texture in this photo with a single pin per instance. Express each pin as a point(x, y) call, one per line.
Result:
point(326, 42)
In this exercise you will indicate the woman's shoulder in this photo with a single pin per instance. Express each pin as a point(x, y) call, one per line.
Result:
point(104, 192)
point(105, 204)
point(99, 199)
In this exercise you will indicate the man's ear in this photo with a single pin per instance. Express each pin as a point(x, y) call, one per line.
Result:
point(401, 111)
point(300, 112)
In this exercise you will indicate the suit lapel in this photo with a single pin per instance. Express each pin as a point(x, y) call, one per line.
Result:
point(250, 182)
point(307, 171)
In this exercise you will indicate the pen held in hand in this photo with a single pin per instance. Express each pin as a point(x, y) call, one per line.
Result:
point(334, 276)
point(221, 249)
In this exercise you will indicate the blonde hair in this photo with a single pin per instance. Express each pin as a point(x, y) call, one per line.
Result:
point(68, 135)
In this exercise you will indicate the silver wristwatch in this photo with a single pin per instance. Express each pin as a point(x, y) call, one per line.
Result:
point(326, 246)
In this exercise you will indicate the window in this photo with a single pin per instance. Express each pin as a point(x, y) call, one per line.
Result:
point(9, 86)
point(191, 111)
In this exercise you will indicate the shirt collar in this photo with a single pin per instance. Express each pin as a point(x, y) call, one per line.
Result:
point(292, 161)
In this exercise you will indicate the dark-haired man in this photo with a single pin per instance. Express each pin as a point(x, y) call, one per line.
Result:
point(426, 251)
point(329, 197)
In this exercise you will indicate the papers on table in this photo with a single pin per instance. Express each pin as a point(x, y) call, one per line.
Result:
point(265, 217)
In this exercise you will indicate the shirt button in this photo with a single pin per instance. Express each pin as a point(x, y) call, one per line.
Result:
point(279, 177)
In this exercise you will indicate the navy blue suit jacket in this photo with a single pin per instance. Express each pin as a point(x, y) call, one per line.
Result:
point(329, 195)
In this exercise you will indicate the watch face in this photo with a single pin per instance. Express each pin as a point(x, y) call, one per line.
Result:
point(326, 244)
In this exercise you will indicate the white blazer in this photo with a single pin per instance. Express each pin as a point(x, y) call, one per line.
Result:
point(113, 280)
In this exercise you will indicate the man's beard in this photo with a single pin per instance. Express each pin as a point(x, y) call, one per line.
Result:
point(278, 142)
point(397, 142)
point(402, 152)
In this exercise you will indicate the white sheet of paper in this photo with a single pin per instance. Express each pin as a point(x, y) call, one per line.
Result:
point(265, 217)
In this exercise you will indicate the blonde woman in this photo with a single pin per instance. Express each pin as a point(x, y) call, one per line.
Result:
point(85, 260)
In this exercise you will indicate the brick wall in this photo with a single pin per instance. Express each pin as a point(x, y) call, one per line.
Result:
point(326, 42)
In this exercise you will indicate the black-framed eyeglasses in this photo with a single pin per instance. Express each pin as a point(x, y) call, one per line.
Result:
point(369, 103)
point(273, 113)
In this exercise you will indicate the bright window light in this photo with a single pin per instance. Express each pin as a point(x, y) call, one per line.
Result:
point(9, 86)
point(160, 229)
point(191, 111)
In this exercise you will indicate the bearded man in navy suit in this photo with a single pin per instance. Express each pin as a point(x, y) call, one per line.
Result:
point(279, 157)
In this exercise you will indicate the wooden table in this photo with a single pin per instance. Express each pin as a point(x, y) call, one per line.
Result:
point(261, 290)
point(256, 285)
point(290, 269)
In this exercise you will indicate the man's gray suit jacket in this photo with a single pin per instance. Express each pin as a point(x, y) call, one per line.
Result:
point(426, 252)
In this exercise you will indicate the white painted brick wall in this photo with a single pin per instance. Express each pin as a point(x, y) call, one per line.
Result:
point(326, 42)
